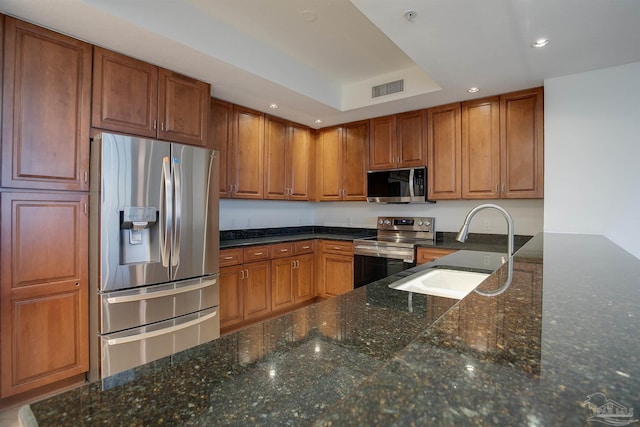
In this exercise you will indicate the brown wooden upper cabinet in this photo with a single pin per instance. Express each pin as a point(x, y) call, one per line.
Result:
point(444, 145)
point(398, 141)
point(342, 161)
point(487, 148)
point(245, 158)
point(134, 97)
point(481, 148)
point(522, 144)
point(287, 160)
point(220, 118)
point(45, 109)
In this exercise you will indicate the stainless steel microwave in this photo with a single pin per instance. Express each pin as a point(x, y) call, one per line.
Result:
point(397, 186)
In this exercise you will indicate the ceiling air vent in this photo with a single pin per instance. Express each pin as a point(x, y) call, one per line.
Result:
point(387, 88)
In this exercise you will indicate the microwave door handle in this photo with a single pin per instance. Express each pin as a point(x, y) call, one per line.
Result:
point(412, 183)
point(177, 182)
point(166, 214)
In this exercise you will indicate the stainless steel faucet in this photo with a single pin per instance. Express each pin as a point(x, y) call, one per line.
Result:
point(464, 231)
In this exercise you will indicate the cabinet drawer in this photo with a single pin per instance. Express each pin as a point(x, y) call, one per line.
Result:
point(336, 247)
point(425, 255)
point(304, 247)
point(280, 250)
point(256, 253)
point(230, 257)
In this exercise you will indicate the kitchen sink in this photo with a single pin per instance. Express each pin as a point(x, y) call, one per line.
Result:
point(441, 282)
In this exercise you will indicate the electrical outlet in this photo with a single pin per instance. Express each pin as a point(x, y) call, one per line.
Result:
point(486, 225)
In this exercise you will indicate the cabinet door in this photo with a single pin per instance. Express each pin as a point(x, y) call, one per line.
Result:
point(382, 145)
point(330, 160)
point(443, 152)
point(275, 161)
point(183, 108)
point(303, 279)
point(335, 275)
point(411, 139)
point(43, 289)
point(257, 289)
point(231, 295)
point(356, 161)
point(282, 282)
point(125, 94)
point(521, 144)
point(299, 171)
point(46, 106)
point(481, 148)
point(219, 136)
point(246, 168)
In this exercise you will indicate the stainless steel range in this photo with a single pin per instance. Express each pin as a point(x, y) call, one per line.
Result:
point(393, 249)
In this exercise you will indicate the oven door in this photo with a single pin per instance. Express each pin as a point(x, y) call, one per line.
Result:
point(368, 269)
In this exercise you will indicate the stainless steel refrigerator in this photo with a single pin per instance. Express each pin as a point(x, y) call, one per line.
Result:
point(154, 242)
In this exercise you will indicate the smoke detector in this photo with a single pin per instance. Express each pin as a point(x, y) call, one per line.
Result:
point(410, 15)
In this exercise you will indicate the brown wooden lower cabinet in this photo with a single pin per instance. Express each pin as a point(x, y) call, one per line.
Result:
point(256, 288)
point(273, 278)
point(291, 281)
point(43, 290)
point(304, 279)
point(245, 292)
point(424, 255)
point(335, 268)
point(231, 296)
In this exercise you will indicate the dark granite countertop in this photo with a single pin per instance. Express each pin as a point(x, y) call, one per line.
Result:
point(444, 240)
point(561, 334)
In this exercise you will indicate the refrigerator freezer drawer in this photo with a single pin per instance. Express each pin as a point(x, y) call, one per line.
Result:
point(138, 307)
point(128, 349)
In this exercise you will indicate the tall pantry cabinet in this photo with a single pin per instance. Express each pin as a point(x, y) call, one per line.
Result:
point(46, 89)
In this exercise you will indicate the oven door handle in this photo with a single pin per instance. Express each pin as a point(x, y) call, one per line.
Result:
point(386, 253)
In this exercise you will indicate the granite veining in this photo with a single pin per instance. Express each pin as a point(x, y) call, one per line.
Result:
point(544, 352)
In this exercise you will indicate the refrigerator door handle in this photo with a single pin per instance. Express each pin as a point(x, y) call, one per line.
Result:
point(177, 183)
point(158, 294)
point(146, 335)
point(166, 217)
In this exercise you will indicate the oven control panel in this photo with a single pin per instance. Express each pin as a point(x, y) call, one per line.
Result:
point(395, 223)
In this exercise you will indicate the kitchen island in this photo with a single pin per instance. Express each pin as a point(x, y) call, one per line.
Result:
point(553, 349)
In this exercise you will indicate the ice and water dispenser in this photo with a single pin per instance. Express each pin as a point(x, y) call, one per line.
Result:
point(139, 237)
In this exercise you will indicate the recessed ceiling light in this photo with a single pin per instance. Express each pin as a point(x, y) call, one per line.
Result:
point(540, 43)
point(274, 106)
point(318, 122)
point(473, 89)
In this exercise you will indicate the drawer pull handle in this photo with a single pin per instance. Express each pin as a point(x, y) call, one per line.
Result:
point(228, 257)
point(258, 253)
point(306, 247)
point(284, 250)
